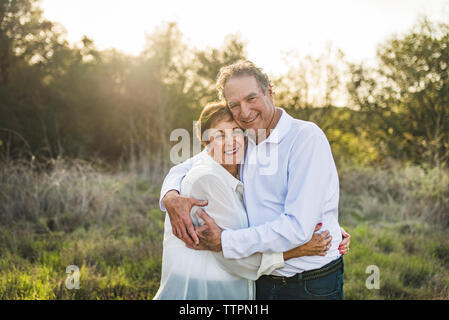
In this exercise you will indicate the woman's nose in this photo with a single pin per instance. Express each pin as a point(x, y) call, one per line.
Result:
point(229, 138)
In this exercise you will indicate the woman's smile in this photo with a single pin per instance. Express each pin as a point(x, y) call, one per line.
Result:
point(233, 151)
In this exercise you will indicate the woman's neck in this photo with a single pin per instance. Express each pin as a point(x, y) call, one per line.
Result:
point(232, 169)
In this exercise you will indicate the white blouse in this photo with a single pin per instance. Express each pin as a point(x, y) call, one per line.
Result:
point(189, 274)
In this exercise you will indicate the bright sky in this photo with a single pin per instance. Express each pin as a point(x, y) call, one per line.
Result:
point(270, 28)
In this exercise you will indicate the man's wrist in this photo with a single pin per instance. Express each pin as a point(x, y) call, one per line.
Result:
point(169, 194)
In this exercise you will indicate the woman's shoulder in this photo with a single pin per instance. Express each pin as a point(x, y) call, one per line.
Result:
point(203, 173)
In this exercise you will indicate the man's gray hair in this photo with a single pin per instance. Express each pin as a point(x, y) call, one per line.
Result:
point(241, 68)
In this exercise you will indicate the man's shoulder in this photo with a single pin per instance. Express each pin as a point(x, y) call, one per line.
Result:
point(303, 129)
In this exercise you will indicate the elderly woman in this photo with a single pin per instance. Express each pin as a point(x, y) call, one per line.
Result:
point(192, 274)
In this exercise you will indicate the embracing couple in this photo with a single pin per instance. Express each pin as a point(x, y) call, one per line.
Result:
point(255, 214)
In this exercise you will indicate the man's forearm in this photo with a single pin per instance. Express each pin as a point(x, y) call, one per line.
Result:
point(174, 178)
point(166, 197)
point(280, 235)
point(171, 183)
point(308, 185)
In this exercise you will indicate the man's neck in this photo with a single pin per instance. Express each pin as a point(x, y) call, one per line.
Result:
point(266, 133)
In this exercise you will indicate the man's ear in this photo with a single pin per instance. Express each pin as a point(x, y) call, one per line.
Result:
point(270, 91)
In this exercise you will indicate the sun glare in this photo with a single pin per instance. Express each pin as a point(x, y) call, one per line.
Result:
point(269, 28)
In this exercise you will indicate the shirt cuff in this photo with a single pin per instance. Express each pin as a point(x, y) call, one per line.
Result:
point(163, 193)
point(225, 244)
point(270, 262)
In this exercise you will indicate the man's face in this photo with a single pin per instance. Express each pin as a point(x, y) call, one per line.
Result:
point(250, 107)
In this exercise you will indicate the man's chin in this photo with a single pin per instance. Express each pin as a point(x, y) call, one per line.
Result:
point(255, 125)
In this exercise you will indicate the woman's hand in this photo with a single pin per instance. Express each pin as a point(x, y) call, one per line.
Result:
point(317, 246)
point(178, 209)
point(344, 245)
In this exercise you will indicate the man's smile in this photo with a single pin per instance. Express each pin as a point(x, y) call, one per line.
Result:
point(250, 120)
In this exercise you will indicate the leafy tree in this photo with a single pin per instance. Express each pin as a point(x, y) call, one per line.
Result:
point(210, 61)
point(405, 98)
point(25, 36)
point(27, 41)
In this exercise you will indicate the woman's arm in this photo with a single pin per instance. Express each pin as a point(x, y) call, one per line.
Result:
point(259, 264)
point(317, 246)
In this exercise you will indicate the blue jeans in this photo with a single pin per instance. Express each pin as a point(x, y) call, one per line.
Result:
point(329, 287)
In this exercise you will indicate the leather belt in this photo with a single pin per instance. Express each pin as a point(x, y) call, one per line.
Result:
point(310, 274)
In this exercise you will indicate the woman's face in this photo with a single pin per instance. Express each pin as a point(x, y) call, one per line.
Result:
point(227, 142)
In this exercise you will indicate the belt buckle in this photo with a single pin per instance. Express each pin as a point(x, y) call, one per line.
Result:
point(277, 278)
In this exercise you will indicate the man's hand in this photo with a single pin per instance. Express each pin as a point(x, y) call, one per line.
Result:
point(178, 209)
point(317, 246)
point(344, 245)
point(209, 234)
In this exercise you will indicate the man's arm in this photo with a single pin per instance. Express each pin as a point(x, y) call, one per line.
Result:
point(174, 178)
point(178, 207)
point(311, 166)
point(221, 210)
point(258, 264)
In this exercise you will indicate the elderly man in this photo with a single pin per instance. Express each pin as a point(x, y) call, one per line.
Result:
point(285, 197)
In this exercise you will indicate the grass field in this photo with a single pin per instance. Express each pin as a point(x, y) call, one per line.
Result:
point(108, 224)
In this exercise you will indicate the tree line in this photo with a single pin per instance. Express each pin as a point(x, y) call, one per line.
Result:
point(73, 100)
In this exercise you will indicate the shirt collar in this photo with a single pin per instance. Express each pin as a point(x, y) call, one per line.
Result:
point(232, 181)
point(280, 131)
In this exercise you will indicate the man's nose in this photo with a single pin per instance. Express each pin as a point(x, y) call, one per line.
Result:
point(244, 111)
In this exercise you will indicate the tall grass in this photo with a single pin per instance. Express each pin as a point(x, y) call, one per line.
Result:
point(76, 213)
point(396, 193)
point(66, 194)
point(106, 221)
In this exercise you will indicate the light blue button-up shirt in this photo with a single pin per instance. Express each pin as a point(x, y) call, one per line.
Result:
point(290, 184)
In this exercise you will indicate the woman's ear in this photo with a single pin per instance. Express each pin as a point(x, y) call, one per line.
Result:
point(209, 149)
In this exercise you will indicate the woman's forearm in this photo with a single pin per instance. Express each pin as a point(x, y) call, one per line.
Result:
point(294, 253)
point(317, 246)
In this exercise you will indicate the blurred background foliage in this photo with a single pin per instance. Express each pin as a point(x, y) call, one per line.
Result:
point(62, 99)
point(84, 146)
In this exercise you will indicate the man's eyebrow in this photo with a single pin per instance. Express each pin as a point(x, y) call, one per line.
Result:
point(252, 94)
